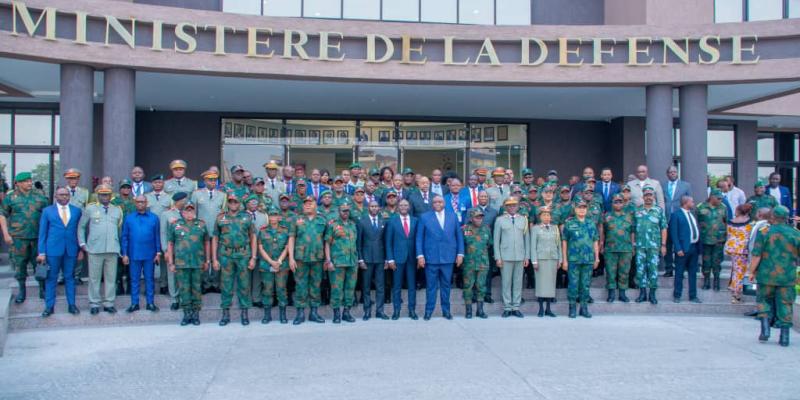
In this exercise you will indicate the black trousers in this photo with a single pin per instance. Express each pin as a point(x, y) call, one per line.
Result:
point(373, 274)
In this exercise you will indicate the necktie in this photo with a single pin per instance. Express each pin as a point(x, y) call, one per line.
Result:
point(670, 189)
point(375, 222)
point(106, 208)
point(405, 226)
point(315, 192)
point(253, 214)
point(210, 194)
point(272, 182)
point(512, 220)
point(180, 182)
point(400, 194)
point(605, 190)
point(474, 197)
point(72, 192)
point(157, 196)
point(501, 189)
point(64, 218)
point(454, 204)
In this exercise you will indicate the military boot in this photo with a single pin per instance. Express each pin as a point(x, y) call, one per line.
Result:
point(716, 282)
point(245, 318)
point(337, 317)
point(585, 311)
point(314, 317)
point(653, 299)
point(623, 297)
point(642, 295)
point(267, 315)
point(196, 317)
point(764, 336)
point(547, 309)
point(282, 315)
point(468, 313)
point(300, 317)
point(541, 308)
point(784, 339)
point(611, 296)
point(41, 289)
point(346, 315)
point(226, 317)
point(481, 313)
point(706, 281)
point(21, 292)
point(572, 308)
point(187, 318)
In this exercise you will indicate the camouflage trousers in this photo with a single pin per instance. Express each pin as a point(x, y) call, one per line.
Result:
point(474, 275)
point(781, 298)
point(274, 282)
point(712, 258)
point(343, 286)
point(21, 253)
point(580, 279)
point(211, 279)
point(307, 278)
point(618, 267)
point(189, 280)
point(647, 268)
point(235, 269)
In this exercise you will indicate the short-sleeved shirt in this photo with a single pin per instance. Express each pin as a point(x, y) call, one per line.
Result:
point(23, 212)
point(240, 191)
point(125, 203)
point(188, 240)
point(648, 224)
point(777, 245)
point(580, 237)
point(308, 234)
point(342, 238)
point(274, 241)
point(713, 229)
point(233, 233)
point(476, 246)
point(763, 201)
point(617, 229)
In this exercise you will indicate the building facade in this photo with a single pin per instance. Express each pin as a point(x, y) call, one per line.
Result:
point(711, 86)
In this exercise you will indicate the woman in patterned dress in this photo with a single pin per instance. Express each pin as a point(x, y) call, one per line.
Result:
point(736, 247)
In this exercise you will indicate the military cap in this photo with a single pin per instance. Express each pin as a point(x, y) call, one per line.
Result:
point(356, 190)
point(617, 196)
point(552, 172)
point(374, 171)
point(526, 171)
point(125, 182)
point(103, 189)
point(475, 211)
point(499, 171)
point(309, 198)
point(759, 184)
point(407, 170)
point(533, 188)
point(177, 164)
point(590, 179)
point(648, 188)
point(344, 207)
point(588, 189)
point(251, 198)
point(237, 167)
point(780, 212)
point(178, 196)
point(284, 196)
point(565, 188)
point(72, 173)
point(510, 201)
point(549, 187)
point(716, 193)
point(355, 165)
point(233, 197)
point(157, 177)
point(274, 211)
point(544, 210)
point(516, 188)
point(270, 165)
point(626, 187)
point(22, 176)
point(258, 180)
point(326, 193)
point(300, 182)
point(391, 193)
point(581, 203)
point(189, 204)
point(338, 178)
point(210, 174)
point(481, 171)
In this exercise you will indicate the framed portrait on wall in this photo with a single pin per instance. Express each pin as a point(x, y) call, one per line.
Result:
point(342, 137)
point(438, 137)
point(313, 136)
point(251, 133)
point(502, 133)
point(488, 134)
point(476, 135)
point(462, 135)
point(425, 137)
point(262, 135)
point(383, 136)
point(451, 136)
point(411, 137)
point(300, 136)
point(273, 135)
point(238, 131)
point(228, 130)
point(328, 137)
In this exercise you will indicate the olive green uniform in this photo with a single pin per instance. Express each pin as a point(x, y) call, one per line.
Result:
point(341, 236)
point(309, 253)
point(22, 212)
point(189, 240)
point(233, 253)
point(274, 241)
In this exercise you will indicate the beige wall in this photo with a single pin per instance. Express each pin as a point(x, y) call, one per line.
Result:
point(659, 12)
point(625, 12)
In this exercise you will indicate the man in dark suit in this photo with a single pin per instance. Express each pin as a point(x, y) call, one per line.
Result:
point(684, 229)
point(606, 187)
point(439, 244)
point(780, 192)
point(674, 190)
point(372, 259)
point(400, 240)
point(469, 194)
point(315, 188)
point(139, 187)
point(58, 246)
point(421, 199)
point(489, 216)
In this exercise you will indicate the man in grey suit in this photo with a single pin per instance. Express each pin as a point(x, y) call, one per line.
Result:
point(103, 221)
point(500, 191)
point(372, 259)
point(274, 187)
point(674, 190)
point(511, 254)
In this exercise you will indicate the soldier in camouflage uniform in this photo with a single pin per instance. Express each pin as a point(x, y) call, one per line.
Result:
point(19, 220)
point(236, 186)
point(187, 257)
point(389, 209)
point(300, 193)
point(287, 214)
point(233, 251)
point(477, 240)
point(547, 201)
point(326, 208)
point(339, 195)
point(358, 208)
point(760, 199)
point(167, 218)
point(260, 219)
point(259, 190)
point(179, 182)
point(580, 255)
point(210, 202)
point(527, 180)
point(616, 238)
point(563, 208)
point(773, 263)
point(273, 247)
point(124, 200)
point(711, 216)
point(341, 261)
point(650, 230)
point(306, 256)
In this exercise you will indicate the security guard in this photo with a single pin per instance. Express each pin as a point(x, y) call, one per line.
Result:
point(341, 261)
point(179, 182)
point(273, 247)
point(188, 255)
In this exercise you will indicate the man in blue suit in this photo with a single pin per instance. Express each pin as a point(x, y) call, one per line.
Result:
point(780, 192)
point(674, 190)
point(606, 187)
point(400, 240)
point(439, 244)
point(58, 245)
point(456, 200)
point(685, 232)
point(141, 249)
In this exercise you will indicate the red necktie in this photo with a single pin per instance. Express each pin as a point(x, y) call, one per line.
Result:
point(474, 198)
point(405, 225)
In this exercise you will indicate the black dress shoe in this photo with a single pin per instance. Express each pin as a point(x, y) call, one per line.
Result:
point(447, 315)
point(47, 312)
point(668, 274)
point(78, 281)
point(94, 310)
point(151, 307)
point(367, 315)
point(110, 310)
point(132, 308)
point(517, 313)
point(427, 316)
point(488, 299)
point(381, 315)
point(506, 314)
point(73, 310)
point(413, 315)
point(174, 307)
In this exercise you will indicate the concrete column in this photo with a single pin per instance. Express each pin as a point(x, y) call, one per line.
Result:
point(76, 111)
point(119, 122)
point(659, 129)
point(694, 137)
point(746, 148)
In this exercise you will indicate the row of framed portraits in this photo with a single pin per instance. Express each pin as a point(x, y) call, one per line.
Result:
point(237, 132)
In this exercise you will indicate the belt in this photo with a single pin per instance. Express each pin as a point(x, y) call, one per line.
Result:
point(235, 249)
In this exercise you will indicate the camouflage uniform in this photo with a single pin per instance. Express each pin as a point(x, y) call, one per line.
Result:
point(648, 224)
point(762, 201)
point(341, 235)
point(22, 213)
point(240, 191)
point(338, 200)
point(309, 254)
point(561, 213)
point(580, 237)
point(617, 229)
point(188, 240)
point(126, 204)
point(274, 241)
point(476, 260)
point(713, 233)
point(357, 212)
point(233, 253)
point(387, 214)
point(778, 247)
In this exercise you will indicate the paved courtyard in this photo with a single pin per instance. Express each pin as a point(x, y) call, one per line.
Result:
point(608, 357)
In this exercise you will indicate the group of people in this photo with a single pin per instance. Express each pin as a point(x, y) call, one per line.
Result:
point(321, 238)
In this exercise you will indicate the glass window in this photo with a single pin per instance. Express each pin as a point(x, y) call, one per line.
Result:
point(5, 169)
point(718, 171)
point(440, 11)
point(39, 166)
point(57, 133)
point(251, 156)
point(763, 10)
point(676, 142)
point(242, 6)
point(766, 149)
point(476, 12)
point(32, 129)
point(794, 8)
point(401, 10)
point(728, 11)
point(721, 143)
point(513, 12)
point(253, 131)
point(362, 9)
point(5, 128)
point(282, 8)
point(322, 8)
point(763, 173)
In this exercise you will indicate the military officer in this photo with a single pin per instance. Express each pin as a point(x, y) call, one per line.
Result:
point(712, 216)
point(79, 196)
point(158, 201)
point(359, 206)
point(103, 221)
point(527, 179)
point(124, 199)
point(233, 252)
point(616, 245)
point(306, 256)
point(773, 262)
point(650, 230)
point(760, 199)
point(500, 191)
point(167, 218)
point(19, 221)
point(188, 255)
point(259, 189)
point(477, 240)
point(179, 182)
point(210, 202)
point(580, 255)
point(273, 185)
point(339, 195)
point(299, 195)
point(260, 219)
point(236, 185)
point(563, 207)
point(511, 254)
point(326, 208)
point(341, 261)
point(273, 247)
point(287, 214)
point(355, 178)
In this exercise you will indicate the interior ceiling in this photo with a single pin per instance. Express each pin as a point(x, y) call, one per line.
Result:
point(175, 92)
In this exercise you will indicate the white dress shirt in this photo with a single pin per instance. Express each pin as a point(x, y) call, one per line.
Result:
point(440, 217)
point(437, 188)
point(694, 233)
point(776, 193)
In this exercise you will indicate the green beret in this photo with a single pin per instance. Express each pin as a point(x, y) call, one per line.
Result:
point(251, 198)
point(475, 211)
point(158, 177)
point(716, 193)
point(759, 184)
point(274, 211)
point(355, 165)
point(780, 212)
point(526, 171)
point(22, 176)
